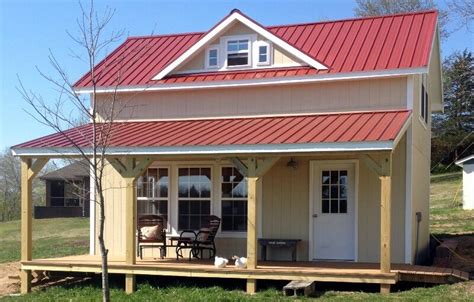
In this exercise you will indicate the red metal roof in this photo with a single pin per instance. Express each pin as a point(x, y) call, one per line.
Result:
point(379, 126)
point(352, 45)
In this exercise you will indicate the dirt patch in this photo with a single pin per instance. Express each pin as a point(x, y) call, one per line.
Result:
point(9, 278)
point(463, 259)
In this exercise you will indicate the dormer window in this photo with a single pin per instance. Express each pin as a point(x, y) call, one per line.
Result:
point(238, 53)
point(263, 49)
point(212, 57)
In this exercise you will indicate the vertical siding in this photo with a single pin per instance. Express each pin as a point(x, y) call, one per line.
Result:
point(356, 95)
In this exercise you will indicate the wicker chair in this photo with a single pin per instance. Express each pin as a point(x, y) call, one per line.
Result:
point(159, 241)
point(201, 240)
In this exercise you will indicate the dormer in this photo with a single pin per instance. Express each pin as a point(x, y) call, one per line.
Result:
point(238, 43)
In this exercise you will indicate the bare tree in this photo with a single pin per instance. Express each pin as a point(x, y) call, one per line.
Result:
point(463, 12)
point(386, 7)
point(71, 108)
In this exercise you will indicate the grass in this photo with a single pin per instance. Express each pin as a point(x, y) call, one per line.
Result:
point(447, 217)
point(446, 214)
point(51, 238)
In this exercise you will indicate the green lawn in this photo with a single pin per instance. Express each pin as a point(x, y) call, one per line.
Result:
point(447, 217)
point(51, 238)
point(446, 213)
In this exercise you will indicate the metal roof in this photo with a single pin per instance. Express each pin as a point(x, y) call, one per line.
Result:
point(381, 43)
point(254, 132)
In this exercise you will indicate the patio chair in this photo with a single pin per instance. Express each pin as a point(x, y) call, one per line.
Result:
point(201, 240)
point(151, 233)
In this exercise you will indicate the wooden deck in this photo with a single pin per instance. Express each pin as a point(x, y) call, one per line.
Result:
point(307, 271)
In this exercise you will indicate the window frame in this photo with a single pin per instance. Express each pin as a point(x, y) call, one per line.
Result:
point(251, 40)
point(221, 199)
point(208, 56)
point(424, 101)
point(176, 193)
point(259, 44)
point(168, 198)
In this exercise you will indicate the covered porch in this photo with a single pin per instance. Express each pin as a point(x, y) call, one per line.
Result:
point(341, 138)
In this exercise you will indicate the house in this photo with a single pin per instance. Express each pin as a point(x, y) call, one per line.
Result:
point(467, 165)
point(67, 192)
point(315, 132)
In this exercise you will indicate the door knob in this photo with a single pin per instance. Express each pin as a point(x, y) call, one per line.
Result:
point(315, 215)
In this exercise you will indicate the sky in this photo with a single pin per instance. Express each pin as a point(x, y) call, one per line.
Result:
point(29, 30)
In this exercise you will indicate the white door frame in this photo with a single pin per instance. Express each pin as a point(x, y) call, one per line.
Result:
point(312, 165)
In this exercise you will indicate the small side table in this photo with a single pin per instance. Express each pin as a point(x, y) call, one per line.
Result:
point(279, 243)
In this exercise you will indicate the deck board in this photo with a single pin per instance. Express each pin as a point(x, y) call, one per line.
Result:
point(272, 270)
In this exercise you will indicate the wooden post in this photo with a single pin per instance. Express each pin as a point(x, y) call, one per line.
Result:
point(130, 170)
point(385, 220)
point(130, 230)
point(29, 170)
point(253, 171)
point(252, 230)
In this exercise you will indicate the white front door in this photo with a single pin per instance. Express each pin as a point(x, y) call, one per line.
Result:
point(333, 215)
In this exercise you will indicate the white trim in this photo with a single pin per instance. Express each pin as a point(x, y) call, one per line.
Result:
point(206, 63)
point(220, 28)
point(221, 149)
point(408, 199)
point(259, 82)
point(251, 38)
point(410, 90)
point(402, 131)
point(92, 215)
point(273, 66)
point(269, 60)
point(312, 165)
point(463, 160)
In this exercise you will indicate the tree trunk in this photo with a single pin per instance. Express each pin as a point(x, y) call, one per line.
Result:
point(103, 251)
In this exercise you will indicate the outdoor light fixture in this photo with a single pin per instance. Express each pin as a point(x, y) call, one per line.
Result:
point(292, 164)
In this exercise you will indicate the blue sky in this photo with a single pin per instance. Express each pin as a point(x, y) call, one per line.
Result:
point(30, 29)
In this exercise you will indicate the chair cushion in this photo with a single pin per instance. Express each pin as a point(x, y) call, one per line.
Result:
point(203, 235)
point(150, 232)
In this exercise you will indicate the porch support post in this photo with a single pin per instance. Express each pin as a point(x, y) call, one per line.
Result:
point(130, 170)
point(29, 170)
point(385, 219)
point(253, 170)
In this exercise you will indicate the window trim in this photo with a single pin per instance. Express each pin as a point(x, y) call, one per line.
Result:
point(424, 114)
point(208, 50)
point(224, 40)
point(219, 181)
point(269, 60)
point(168, 199)
point(175, 185)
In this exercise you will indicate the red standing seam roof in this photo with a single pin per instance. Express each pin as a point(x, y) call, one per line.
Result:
point(352, 45)
point(379, 126)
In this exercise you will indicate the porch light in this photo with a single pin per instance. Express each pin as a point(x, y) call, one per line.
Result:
point(292, 164)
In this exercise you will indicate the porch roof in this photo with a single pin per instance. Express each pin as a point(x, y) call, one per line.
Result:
point(349, 131)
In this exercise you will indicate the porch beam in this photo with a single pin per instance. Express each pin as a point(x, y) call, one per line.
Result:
point(130, 170)
point(385, 218)
point(240, 166)
point(29, 169)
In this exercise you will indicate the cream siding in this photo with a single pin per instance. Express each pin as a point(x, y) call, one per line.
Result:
point(356, 95)
point(197, 63)
point(435, 86)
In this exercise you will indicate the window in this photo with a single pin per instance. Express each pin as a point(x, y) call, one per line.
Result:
point(238, 52)
point(194, 197)
point(212, 60)
point(263, 53)
point(334, 191)
point(66, 193)
point(234, 200)
point(152, 192)
point(424, 106)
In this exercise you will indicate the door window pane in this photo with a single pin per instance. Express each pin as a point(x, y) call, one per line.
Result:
point(334, 191)
point(152, 193)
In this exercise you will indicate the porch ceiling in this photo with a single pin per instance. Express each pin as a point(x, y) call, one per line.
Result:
point(328, 132)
